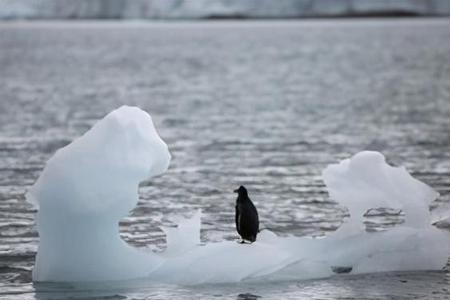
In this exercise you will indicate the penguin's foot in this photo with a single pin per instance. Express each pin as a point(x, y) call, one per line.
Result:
point(242, 241)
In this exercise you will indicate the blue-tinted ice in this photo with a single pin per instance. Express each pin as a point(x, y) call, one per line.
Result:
point(89, 185)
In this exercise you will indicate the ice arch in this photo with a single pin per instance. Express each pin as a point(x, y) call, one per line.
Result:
point(87, 186)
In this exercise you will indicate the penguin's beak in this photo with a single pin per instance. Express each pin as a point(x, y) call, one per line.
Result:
point(236, 191)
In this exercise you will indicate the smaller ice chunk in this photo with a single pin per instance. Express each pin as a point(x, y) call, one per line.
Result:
point(366, 181)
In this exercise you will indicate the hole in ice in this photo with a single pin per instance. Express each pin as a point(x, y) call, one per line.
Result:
point(383, 218)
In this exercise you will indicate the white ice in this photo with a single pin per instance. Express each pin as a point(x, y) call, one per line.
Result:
point(89, 185)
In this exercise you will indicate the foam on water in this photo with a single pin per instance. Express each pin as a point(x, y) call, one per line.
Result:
point(89, 185)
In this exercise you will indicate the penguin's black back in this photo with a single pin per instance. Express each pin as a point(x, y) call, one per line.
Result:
point(247, 220)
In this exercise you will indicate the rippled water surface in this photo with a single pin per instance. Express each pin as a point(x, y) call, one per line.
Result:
point(264, 104)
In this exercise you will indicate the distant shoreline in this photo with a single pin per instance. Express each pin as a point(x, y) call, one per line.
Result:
point(226, 23)
point(230, 19)
point(168, 10)
point(243, 18)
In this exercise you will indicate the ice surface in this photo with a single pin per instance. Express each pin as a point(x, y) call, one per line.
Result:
point(87, 186)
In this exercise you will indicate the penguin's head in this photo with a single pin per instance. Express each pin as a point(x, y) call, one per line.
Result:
point(242, 191)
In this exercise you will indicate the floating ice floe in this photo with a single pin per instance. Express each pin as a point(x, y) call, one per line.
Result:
point(89, 185)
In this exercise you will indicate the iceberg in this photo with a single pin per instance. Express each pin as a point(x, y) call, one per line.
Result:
point(90, 184)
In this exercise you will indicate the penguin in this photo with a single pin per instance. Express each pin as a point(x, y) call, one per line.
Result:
point(246, 217)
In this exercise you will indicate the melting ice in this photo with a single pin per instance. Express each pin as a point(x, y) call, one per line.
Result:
point(89, 185)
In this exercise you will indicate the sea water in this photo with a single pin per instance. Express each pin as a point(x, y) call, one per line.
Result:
point(274, 103)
